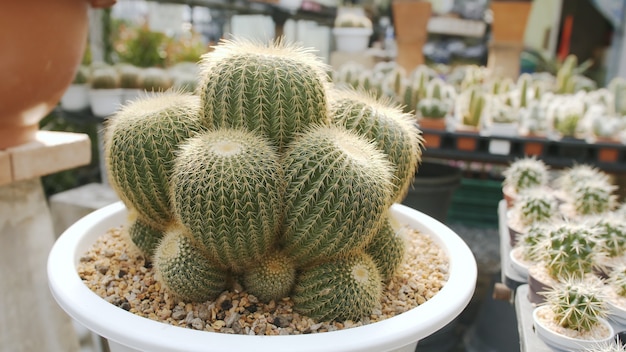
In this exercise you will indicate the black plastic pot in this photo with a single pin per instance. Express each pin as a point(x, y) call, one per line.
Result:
point(432, 189)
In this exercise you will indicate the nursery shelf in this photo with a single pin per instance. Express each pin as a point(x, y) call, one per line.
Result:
point(555, 153)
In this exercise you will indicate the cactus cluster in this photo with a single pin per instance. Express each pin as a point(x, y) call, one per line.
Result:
point(264, 177)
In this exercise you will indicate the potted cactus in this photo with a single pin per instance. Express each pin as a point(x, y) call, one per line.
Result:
point(523, 174)
point(130, 81)
point(533, 206)
point(105, 94)
point(527, 249)
point(573, 318)
point(257, 196)
point(434, 108)
point(156, 79)
point(352, 30)
point(503, 122)
point(615, 291)
point(76, 97)
point(568, 251)
point(469, 111)
point(590, 197)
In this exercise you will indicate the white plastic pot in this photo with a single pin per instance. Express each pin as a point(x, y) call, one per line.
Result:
point(127, 332)
point(564, 343)
point(75, 98)
point(105, 102)
point(352, 40)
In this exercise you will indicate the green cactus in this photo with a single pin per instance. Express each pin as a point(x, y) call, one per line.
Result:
point(156, 79)
point(105, 77)
point(593, 197)
point(617, 280)
point(140, 145)
point(577, 174)
point(524, 82)
point(526, 173)
point(534, 241)
point(387, 249)
point(338, 188)
point(227, 189)
point(535, 205)
point(617, 87)
point(143, 234)
point(472, 109)
point(185, 270)
point(611, 232)
point(82, 75)
point(577, 304)
point(272, 279)
point(346, 288)
point(570, 250)
point(394, 132)
point(278, 89)
point(565, 77)
point(130, 76)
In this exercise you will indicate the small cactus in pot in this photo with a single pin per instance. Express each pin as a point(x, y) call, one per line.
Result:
point(592, 197)
point(523, 174)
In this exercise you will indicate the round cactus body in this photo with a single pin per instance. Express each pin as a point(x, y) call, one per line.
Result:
point(227, 190)
point(341, 289)
point(577, 304)
point(185, 270)
point(272, 279)
point(140, 145)
point(278, 89)
point(394, 132)
point(338, 189)
point(143, 234)
point(570, 250)
point(387, 249)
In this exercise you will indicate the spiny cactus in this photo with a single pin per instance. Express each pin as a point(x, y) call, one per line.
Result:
point(143, 234)
point(577, 304)
point(612, 346)
point(156, 79)
point(438, 101)
point(82, 75)
point(617, 87)
point(611, 234)
point(278, 89)
point(472, 104)
point(130, 76)
point(338, 188)
point(140, 145)
point(617, 279)
point(272, 279)
point(593, 197)
point(394, 132)
point(570, 250)
point(526, 173)
point(535, 205)
point(579, 173)
point(227, 189)
point(387, 249)
point(185, 270)
point(346, 288)
point(105, 77)
point(534, 241)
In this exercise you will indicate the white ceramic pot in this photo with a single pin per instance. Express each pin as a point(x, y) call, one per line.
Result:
point(105, 102)
point(127, 332)
point(75, 98)
point(352, 40)
point(564, 343)
point(617, 316)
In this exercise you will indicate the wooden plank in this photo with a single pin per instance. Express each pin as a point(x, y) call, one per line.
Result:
point(529, 340)
point(51, 152)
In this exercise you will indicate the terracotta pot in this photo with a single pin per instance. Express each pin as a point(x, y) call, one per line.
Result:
point(432, 140)
point(42, 43)
point(410, 18)
point(467, 139)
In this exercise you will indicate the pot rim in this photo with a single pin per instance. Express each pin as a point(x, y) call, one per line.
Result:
point(141, 333)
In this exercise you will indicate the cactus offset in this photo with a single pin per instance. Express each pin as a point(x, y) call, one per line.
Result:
point(140, 145)
point(338, 188)
point(394, 132)
point(143, 235)
point(227, 190)
point(177, 254)
point(272, 279)
point(341, 289)
point(387, 249)
point(278, 90)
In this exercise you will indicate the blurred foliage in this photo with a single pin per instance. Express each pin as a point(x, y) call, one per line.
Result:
point(68, 179)
point(140, 46)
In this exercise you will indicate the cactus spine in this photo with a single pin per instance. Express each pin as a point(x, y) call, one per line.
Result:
point(140, 145)
point(278, 90)
point(227, 190)
point(394, 132)
point(338, 188)
point(345, 288)
point(185, 270)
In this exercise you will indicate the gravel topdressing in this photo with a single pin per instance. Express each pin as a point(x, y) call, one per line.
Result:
point(116, 271)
